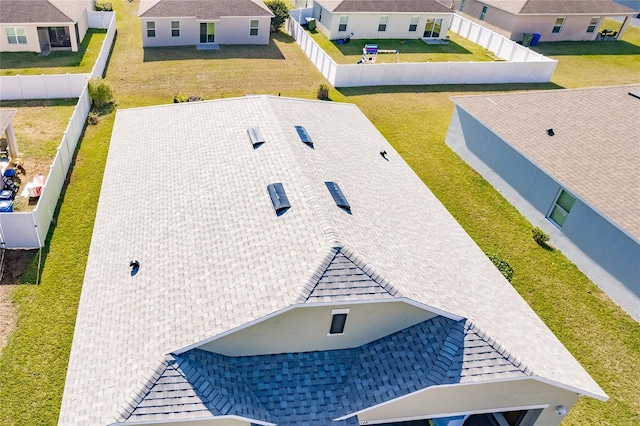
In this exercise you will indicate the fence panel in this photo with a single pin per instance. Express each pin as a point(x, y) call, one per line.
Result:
point(108, 18)
point(19, 230)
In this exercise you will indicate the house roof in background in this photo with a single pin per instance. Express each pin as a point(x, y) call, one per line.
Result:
point(384, 6)
point(202, 9)
point(42, 11)
point(537, 7)
point(214, 255)
point(594, 152)
point(6, 116)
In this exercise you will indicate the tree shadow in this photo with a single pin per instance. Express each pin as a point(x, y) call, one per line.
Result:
point(444, 88)
point(228, 51)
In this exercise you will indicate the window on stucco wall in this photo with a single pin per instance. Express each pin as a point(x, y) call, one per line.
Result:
point(151, 29)
point(558, 25)
point(253, 30)
point(344, 20)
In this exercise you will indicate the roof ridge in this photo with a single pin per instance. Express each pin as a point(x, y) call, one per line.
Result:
point(370, 270)
point(138, 394)
point(447, 354)
point(498, 347)
point(53, 3)
point(313, 278)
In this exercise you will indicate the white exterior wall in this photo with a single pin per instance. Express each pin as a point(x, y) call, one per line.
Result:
point(365, 25)
point(574, 28)
point(234, 30)
point(83, 26)
point(31, 31)
point(444, 401)
point(305, 329)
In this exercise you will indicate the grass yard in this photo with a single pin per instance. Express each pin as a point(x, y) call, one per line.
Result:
point(39, 126)
point(458, 50)
point(29, 63)
point(413, 118)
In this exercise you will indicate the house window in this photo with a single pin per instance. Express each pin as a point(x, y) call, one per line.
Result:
point(433, 28)
point(413, 25)
point(382, 25)
point(338, 321)
point(562, 208)
point(16, 35)
point(483, 13)
point(344, 20)
point(462, 5)
point(151, 28)
point(175, 28)
point(253, 30)
point(593, 24)
point(558, 26)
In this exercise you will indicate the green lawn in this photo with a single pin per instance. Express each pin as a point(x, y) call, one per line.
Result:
point(29, 63)
point(414, 119)
point(458, 50)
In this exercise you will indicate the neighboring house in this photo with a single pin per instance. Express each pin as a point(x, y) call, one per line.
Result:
point(382, 19)
point(580, 180)
point(204, 22)
point(263, 273)
point(553, 20)
point(43, 25)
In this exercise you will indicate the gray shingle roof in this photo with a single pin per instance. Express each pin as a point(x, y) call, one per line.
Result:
point(202, 9)
point(214, 255)
point(537, 7)
point(303, 388)
point(6, 116)
point(42, 11)
point(594, 153)
point(384, 6)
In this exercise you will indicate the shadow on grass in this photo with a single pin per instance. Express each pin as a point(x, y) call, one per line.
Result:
point(573, 48)
point(354, 47)
point(239, 51)
point(25, 60)
point(443, 88)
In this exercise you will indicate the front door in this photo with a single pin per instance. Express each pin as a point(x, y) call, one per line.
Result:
point(207, 32)
point(432, 29)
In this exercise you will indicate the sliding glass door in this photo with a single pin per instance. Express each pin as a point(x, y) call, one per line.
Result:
point(207, 32)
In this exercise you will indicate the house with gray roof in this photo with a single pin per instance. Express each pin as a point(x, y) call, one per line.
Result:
point(302, 275)
point(381, 19)
point(577, 20)
point(204, 23)
point(570, 169)
point(43, 25)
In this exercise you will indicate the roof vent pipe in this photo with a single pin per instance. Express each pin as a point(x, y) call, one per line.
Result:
point(550, 132)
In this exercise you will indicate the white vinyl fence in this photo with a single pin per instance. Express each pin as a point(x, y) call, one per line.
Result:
point(62, 85)
point(29, 229)
point(521, 65)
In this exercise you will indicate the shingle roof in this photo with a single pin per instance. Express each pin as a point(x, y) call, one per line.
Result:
point(537, 7)
point(41, 11)
point(291, 389)
point(384, 6)
point(594, 153)
point(214, 255)
point(202, 9)
point(6, 116)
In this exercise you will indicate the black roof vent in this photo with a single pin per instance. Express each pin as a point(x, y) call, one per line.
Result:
point(337, 195)
point(384, 155)
point(550, 132)
point(304, 136)
point(278, 198)
point(135, 267)
point(256, 136)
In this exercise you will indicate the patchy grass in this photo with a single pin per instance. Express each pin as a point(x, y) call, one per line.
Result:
point(596, 63)
point(413, 118)
point(39, 126)
point(457, 50)
point(82, 61)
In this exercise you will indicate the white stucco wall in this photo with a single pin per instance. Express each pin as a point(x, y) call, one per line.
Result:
point(305, 329)
point(574, 28)
point(440, 401)
point(31, 31)
point(234, 30)
point(83, 25)
point(365, 25)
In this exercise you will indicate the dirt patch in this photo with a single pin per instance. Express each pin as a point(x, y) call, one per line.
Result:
point(13, 265)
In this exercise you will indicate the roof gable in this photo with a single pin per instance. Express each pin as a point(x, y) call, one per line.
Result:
point(202, 9)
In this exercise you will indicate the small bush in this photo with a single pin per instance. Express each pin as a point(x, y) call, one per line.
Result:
point(502, 265)
point(106, 7)
point(184, 98)
point(281, 11)
point(540, 236)
point(93, 118)
point(101, 93)
point(323, 92)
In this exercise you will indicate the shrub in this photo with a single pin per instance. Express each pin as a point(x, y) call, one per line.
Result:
point(93, 118)
point(502, 265)
point(540, 236)
point(323, 92)
point(101, 93)
point(281, 11)
point(106, 7)
point(184, 98)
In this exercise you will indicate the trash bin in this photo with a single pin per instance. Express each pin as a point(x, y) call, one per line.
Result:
point(535, 39)
point(312, 24)
point(526, 39)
